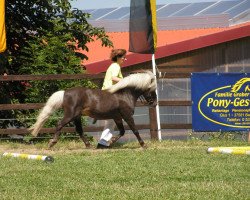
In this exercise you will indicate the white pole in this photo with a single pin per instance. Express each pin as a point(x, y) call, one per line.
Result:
point(157, 106)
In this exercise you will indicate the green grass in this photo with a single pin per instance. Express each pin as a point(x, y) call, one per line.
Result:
point(165, 170)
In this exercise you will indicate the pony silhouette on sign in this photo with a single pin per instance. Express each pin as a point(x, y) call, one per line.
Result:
point(117, 103)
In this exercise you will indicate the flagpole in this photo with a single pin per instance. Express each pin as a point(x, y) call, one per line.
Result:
point(157, 106)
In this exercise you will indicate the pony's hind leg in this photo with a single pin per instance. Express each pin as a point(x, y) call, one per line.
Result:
point(79, 130)
point(59, 126)
point(69, 115)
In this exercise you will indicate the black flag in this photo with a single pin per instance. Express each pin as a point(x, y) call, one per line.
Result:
point(142, 26)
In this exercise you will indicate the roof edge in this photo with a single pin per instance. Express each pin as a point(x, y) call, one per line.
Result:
point(203, 41)
point(231, 34)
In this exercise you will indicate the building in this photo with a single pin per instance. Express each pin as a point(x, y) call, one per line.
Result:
point(193, 37)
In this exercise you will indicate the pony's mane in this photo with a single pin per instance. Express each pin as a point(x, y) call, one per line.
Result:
point(140, 81)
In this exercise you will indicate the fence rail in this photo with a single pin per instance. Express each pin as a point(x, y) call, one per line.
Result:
point(74, 76)
point(28, 106)
point(152, 113)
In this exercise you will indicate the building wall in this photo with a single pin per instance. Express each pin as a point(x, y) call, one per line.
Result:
point(228, 57)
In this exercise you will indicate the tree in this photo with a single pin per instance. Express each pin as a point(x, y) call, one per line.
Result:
point(42, 38)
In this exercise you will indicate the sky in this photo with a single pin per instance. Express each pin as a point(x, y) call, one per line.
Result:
point(95, 4)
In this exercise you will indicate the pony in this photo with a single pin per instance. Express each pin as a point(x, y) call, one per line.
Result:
point(117, 103)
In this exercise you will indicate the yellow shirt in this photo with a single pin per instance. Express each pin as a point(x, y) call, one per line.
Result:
point(114, 70)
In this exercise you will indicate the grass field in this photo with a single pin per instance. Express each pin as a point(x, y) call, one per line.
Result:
point(165, 170)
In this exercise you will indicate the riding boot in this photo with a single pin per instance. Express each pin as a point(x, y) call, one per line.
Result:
point(101, 146)
point(104, 140)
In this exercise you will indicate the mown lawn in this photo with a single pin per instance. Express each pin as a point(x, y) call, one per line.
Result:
point(165, 170)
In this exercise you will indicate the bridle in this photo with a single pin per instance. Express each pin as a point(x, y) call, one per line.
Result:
point(148, 101)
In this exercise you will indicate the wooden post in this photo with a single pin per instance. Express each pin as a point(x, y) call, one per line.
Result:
point(248, 137)
point(153, 123)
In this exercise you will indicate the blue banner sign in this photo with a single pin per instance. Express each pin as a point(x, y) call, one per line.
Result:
point(220, 101)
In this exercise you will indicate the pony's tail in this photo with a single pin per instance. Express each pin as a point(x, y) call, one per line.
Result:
point(54, 102)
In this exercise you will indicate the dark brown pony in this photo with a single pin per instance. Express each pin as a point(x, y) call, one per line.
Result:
point(117, 103)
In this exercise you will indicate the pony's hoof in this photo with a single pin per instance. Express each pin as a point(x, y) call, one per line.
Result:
point(100, 146)
point(51, 143)
point(144, 146)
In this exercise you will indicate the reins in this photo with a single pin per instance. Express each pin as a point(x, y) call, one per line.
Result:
point(144, 101)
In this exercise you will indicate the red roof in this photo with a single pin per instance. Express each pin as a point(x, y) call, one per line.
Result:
point(169, 43)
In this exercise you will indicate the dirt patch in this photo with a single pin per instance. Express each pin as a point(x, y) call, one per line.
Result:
point(41, 149)
point(61, 148)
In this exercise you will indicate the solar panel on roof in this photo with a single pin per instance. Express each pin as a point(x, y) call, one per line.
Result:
point(219, 7)
point(126, 16)
point(88, 11)
point(100, 12)
point(170, 9)
point(118, 13)
point(159, 6)
point(238, 9)
point(193, 8)
point(235, 8)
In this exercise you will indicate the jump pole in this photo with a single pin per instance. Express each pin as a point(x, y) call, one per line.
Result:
point(248, 138)
point(230, 150)
point(29, 156)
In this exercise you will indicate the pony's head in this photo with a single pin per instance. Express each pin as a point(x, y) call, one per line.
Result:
point(144, 83)
point(150, 97)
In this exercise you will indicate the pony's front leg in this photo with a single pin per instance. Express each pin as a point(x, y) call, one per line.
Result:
point(131, 124)
point(142, 143)
point(120, 127)
point(79, 130)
